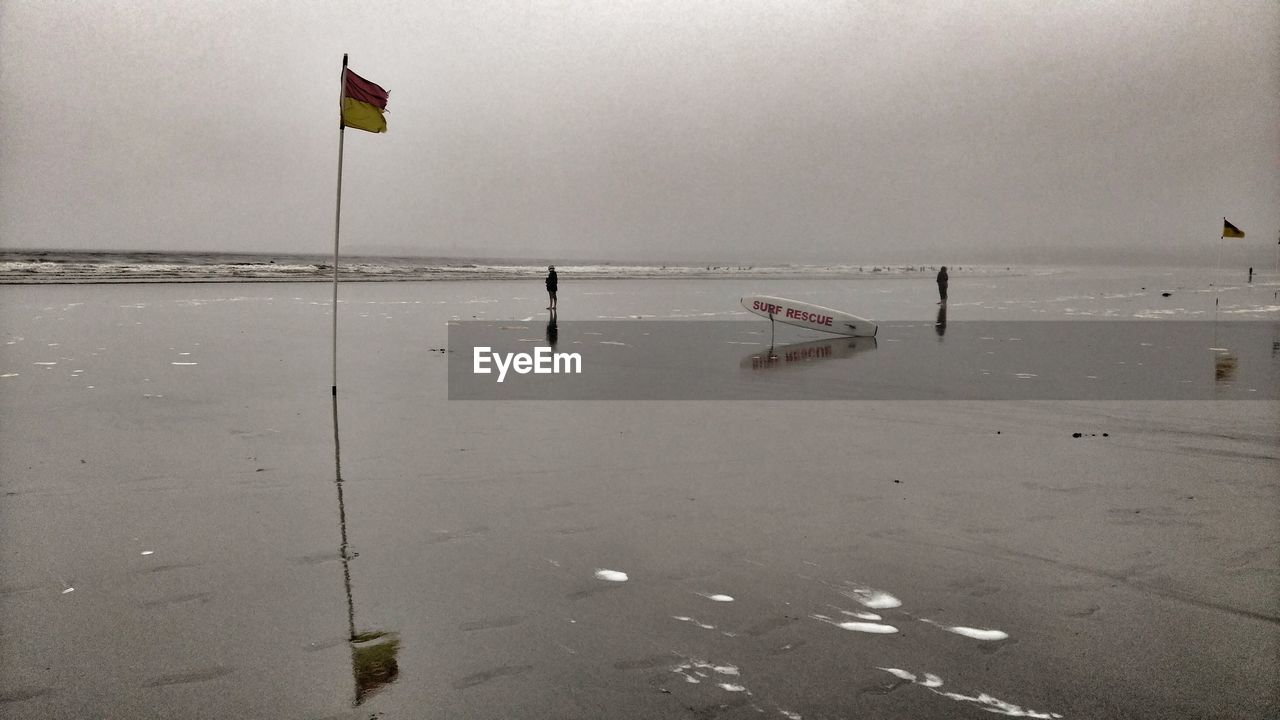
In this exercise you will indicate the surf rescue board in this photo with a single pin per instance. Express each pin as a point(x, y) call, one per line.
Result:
point(813, 317)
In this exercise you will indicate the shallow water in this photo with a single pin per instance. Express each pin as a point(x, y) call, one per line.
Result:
point(173, 538)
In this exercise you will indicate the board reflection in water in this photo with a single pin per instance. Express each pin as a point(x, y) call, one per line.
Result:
point(805, 352)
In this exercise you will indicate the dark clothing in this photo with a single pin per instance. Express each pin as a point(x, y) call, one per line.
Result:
point(552, 281)
point(942, 284)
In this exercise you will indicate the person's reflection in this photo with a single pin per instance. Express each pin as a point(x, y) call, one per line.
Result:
point(940, 325)
point(552, 332)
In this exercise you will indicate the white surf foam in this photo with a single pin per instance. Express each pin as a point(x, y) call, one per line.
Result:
point(697, 666)
point(611, 575)
point(985, 634)
point(863, 627)
point(693, 621)
point(991, 704)
point(977, 633)
point(872, 598)
point(998, 706)
point(717, 597)
point(862, 615)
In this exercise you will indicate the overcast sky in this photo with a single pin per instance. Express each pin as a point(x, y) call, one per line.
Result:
point(734, 130)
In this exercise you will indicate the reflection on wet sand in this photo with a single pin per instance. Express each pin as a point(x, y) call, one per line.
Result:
point(940, 325)
point(805, 352)
point(373, 652)
point(1224, 366)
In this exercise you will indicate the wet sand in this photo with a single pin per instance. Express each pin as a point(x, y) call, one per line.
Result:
point(172, 538)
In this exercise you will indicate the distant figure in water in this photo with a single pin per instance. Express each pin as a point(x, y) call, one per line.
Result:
point(942, 285)
point(1250, 274)
point(552, 283)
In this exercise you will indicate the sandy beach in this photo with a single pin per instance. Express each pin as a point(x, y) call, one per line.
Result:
point(179, 538)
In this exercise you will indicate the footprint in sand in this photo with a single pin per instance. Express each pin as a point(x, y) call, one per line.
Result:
point(490, 623)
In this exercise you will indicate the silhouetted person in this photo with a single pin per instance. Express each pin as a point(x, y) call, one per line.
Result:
point(1251, 274)
point(942, 285)
point(552, 284)
point(940, 326)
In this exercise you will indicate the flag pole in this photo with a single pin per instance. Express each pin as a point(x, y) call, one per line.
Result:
point(337, 222)
point(1217, 273)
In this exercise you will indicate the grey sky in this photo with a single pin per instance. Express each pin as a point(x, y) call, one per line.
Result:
point(735, 130)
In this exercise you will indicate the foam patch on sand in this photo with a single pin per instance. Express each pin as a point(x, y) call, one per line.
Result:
point(692, 669)
point(976, 633)
point(872, 598)
point(731, 687)
point(693, 621)
point(611, 575)
point(717, 597)
point(862, 615)
point(863, 627)
point(989, 703)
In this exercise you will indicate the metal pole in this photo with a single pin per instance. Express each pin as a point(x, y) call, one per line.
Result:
point(337, 222)
point(1217, 277)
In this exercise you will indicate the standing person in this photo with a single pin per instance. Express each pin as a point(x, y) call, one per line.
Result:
point(1250, 274)
point(552, 283)
point(942, 285)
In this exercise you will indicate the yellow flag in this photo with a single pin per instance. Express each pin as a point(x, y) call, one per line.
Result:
point(1231, 231)
point(362, 116)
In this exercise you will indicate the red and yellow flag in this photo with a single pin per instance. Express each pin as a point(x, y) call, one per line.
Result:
point(363, 104)
point(1229, 230)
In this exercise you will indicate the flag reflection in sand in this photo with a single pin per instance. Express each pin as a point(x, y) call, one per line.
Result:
point(373, 652)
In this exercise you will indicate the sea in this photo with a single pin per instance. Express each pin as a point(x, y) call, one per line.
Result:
point(84, 267)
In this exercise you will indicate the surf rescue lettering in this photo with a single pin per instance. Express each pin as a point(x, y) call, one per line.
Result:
point(793, 314)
